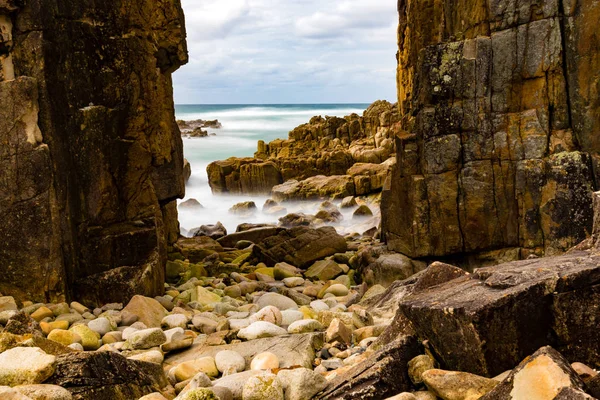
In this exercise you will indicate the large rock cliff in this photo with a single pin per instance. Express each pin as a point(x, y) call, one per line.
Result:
point(90, 154)
point(500, 104)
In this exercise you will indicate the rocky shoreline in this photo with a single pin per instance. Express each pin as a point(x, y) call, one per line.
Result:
point(276, 313)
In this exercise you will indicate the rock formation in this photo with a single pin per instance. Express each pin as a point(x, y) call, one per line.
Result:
point(343, 156)
point(90, 152)
point(499, 105)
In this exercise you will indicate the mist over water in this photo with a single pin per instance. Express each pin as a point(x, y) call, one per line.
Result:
point(243, 127)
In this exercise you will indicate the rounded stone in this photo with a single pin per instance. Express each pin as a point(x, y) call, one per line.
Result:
point(64, 337)
point(337, 290)
point(276, 300)
point(261, 329)
point(305, 326)
point(174, 321)
point(199, 394)
point(152, 356)
point(268, 314)
point(146, 338)
point(288, 317)
point(319, 305)
point(230, 362)
point(263, 387)
point(101, 326)
point(188, 369)
point(264, 361)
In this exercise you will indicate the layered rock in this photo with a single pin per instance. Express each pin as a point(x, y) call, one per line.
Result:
point(328, 147)
point(89, 143)
point(499, 107)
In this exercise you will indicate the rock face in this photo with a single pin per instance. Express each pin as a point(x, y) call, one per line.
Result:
point(502, 124)
point(90, 152)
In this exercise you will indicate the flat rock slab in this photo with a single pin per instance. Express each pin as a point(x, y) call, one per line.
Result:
point(489, 321)
point(292, 350)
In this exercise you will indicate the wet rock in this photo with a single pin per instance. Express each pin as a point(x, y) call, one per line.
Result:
point(299, 247)
point(244, 208)
point(215, 231)
point(362, 212)
point(191, 204)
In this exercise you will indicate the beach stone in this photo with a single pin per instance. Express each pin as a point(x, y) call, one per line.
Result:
point(238, 324)
point(261, 329)
point(78, 307)
point(540, 376)
point(283, 271)
point(362, 211)
point(301, 383)
point(177, 344)
point(337, 331)
point(293, 282)
point(230, 362)
point(324, 270)
point(233, 291)
point(403, 396)
point(8, 393)
point(48, 327)
point(188, 369)
point(7, 303)
point(153, 356)
point(276, 300)
point(235, 383)
point(44, 392)
point(261, 387)
point(205, 297)
point(148, 311)
point(200, 380)
point(425, 395)
point(417, 366)
point(319, 305)
point(332, 363)
point(64, 337)
point(305, 326)
point(337, 290)
point(112, 337)
point(268, 314)
point(174, 321)
point(264, 361)
point(199, 394)
point(348, 202)
point(41, 313)
point(71, 318)
point(204, 324)
point(76, 346)
point(366, 332)
point(146, 338)
point(153, 396)
point(90, 340)
point(25, 365)
point(290, 316)
point(101, 326)
point(457, 385)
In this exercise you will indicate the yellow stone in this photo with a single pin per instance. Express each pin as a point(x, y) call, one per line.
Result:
point(64, 337)
point(205, 297)
point(90, 340)
point(308, 312)
point(188, 369)
point(41, 313)
point(266, 271)
point(48, 327)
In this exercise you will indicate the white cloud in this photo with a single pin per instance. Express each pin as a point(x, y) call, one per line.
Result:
point(282, 51)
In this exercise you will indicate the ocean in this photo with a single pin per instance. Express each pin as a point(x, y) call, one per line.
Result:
point(243, 127)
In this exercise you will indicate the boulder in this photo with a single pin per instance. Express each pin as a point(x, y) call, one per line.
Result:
point(262, 387)
point(324, 270)
point(316, 187)
point(389, 268)
point(235, 383)
point(244, 208)
point(301, 383)
point(215, 231)
point(253, 235)
point(520, 306)
point(107, 376)
point(541, 376)
point(190, 204)
point(299, 247)
point(197, 248)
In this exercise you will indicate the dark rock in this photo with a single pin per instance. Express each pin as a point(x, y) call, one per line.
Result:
point(593, 386)
point(252, 235)
point(191, 204)
point(542, 375)
point(362, 211)
point(246, 227)
point(389, 268)
point(269, 203)
point(215, 231)
point(294, 220)
point(244, 208)
point(22, 324)
point(187, 170)
point(299, 246)
point(497, 316)
point(568, 393)
point(381, 375)
point(107, 376)
point(196, 249)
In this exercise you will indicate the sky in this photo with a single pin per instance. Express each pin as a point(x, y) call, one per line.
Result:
point(288, 51)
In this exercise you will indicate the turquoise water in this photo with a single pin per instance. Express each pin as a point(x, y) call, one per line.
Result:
point(243, 127)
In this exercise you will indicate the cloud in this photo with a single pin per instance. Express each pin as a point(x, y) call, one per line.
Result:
point(283, 51)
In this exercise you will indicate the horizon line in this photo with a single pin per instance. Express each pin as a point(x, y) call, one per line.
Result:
point(266, 104)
